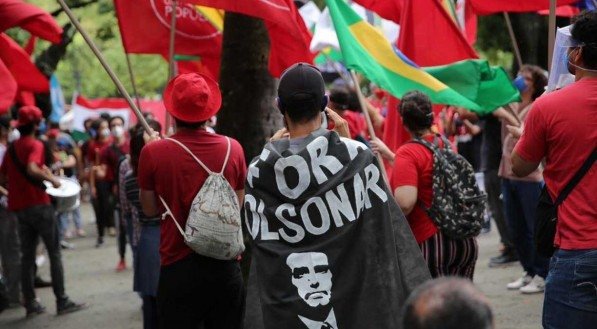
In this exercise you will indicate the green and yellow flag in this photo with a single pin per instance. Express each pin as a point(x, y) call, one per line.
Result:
point(367, 51)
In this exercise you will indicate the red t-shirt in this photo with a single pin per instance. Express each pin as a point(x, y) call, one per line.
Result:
point(167, 169)
point(356, 123)
point(96, 147)
point(111, 158)
point(23, 194)
point(413, 166)
point(562, 128)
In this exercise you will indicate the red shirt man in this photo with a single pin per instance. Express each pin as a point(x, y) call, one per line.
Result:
point(213, 289)
point(562, 128)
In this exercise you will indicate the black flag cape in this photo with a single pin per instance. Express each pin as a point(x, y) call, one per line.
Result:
point(331, 248)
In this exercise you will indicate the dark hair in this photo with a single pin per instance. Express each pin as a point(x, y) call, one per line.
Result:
point(26, 129)
point(584, 31)
point(116, 117)
point(302, 108)
point(105, 116)
point(136, 144)
point(189, 125)
point(5, 121)
point(340, 97)
point(415, 109)
point(447, 303)
point(155, 125)
point(539, 79)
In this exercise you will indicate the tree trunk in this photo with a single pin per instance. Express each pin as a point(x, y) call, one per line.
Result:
point(248, 113)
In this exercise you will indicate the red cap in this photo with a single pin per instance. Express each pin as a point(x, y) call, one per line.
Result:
point(29, 114)
point(53, 133)
point(192, 97)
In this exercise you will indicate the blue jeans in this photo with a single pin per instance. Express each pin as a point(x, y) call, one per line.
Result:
point(571, 290)
point(520, 203)
point(63, 220)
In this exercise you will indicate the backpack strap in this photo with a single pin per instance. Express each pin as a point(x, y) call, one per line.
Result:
point(227, 156)
point(169, 213)
point(193, 155)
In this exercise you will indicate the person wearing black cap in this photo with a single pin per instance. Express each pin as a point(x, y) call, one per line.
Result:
point(314, 197)
point(24, 170)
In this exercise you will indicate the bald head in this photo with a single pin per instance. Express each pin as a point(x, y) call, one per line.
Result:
point(447, 303)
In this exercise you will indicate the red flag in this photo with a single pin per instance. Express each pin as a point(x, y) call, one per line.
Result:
point(467, 19)
point(18, 62)
point(488, 7)
point(388, 9)
point(145, 29)
point(29, 17)
point(437, 42)
point(8, 90)
point(562, 11)
point(289, 37)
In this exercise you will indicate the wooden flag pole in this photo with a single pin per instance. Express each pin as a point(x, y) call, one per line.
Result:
point(172, 62)
point(551, 36)
point(370, 129)
point(106, 66)
point(513, 39)
point(133, 83)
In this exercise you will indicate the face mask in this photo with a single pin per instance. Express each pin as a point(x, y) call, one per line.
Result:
point(118, 131)
point(105, 132)
point(13, 135)
point(92, 133)
point(520, 84)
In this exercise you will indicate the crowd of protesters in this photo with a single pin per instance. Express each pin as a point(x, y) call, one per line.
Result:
point(515, 152)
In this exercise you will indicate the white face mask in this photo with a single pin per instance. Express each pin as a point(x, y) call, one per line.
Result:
point(13, 135)
point(105, 132)
point(118, 131)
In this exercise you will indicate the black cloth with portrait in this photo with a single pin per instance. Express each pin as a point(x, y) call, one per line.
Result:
point(330, 246)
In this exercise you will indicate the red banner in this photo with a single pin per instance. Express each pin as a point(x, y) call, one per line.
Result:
point(18, 62)
point(29, 17)
point(488, 7)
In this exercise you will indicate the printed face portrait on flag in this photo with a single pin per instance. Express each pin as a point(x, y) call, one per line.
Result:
point(321, 220)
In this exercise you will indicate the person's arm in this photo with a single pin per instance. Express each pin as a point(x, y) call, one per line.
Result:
point(507, 116)
point(521, 167)
point(376, 118)
point(379, 147)
point(531, 148)
point(466, 114)
point(36, 172)
point(149, 203)
point(240, 195)
point(406, 197)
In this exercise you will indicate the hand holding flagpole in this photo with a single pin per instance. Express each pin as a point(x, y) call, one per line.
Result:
point(106, 66)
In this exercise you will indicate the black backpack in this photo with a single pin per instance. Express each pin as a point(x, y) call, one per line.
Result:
point(458, 205)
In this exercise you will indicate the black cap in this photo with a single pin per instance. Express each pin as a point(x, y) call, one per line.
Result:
point(301, 84)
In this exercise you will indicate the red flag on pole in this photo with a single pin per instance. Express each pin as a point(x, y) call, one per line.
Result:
point(289, 36)
point(437, 42)
point(488, 7)
point(18, 62)
point(145, 29)
point(388, 9)
point(29, 17)
point(8, 90)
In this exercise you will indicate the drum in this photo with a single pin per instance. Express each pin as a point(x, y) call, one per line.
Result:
point(67, 196)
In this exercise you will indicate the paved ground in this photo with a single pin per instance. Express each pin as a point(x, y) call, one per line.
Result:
point(90, 277)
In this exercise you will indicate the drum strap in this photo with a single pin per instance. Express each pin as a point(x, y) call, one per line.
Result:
point(23, 169)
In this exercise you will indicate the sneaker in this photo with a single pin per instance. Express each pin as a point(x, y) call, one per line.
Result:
point(111, 231)
point(521, 282)
point(66, 245)
point(121, 266)
point(41, 283)
point(68, 234)
point(100, 242)
point(504, 259)
point(537, 285)
point(68, 306)
point(81, 233)
point(35, 308)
